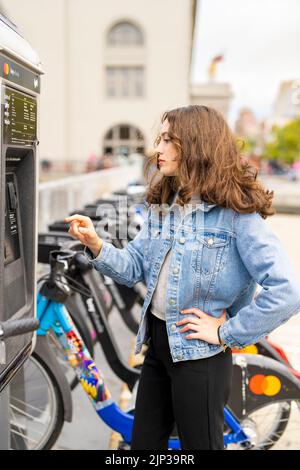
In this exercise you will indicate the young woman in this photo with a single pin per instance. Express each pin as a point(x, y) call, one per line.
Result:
point(201, 258)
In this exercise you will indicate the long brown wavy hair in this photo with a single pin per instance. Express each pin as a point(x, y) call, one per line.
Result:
point(209, 165)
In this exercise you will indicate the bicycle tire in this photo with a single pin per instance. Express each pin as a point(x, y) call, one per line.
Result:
point(20, 430)
point(277, 429)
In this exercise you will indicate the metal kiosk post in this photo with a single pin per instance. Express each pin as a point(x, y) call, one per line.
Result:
point(20, 73)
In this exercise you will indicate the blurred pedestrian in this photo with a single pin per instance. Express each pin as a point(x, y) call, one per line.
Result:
point(91, 163)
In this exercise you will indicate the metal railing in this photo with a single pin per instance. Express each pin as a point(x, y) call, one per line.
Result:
point(57, 198)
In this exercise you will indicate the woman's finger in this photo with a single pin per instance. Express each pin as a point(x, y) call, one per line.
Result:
point(83, 230)
point(80, 220)
point(193, 336)
point(76, 217)
point(190, 326)
point(81, 238)
point(74, 226)
point(71, 230)
point(196, 311)
point(187, 320)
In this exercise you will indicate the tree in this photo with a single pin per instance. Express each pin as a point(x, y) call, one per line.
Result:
point(285, 143)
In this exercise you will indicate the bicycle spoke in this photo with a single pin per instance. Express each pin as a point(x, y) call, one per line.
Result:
point(27, 405)
point(27, 415)
point(31, 421)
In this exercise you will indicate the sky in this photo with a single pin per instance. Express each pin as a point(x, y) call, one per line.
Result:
point(260, 41)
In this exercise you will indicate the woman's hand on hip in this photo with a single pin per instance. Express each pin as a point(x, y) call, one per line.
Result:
point(204, 326)
point(82, 228)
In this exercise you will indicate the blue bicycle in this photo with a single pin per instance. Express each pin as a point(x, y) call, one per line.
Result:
point(259, 383)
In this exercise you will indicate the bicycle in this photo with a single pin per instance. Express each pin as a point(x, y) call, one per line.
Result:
point(122, 296)
point(244, 401)
point(90, 304)
point(263, 347)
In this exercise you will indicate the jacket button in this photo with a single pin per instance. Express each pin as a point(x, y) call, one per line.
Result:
point(171, 301)
point(182, 240)
point(175, 271)
point(210, 241)
point(173, 327)
point(179, 356)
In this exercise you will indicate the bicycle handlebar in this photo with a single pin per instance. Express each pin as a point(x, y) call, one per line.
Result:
point(18, 327)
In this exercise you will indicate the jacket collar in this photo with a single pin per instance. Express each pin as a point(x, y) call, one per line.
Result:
point(206, 207)
point(202, 205)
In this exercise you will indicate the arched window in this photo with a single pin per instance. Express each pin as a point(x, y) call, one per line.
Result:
point(125, 34)
point(123, 139)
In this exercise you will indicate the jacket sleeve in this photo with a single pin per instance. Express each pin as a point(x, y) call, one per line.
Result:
point(267, 263)
point(124, 265)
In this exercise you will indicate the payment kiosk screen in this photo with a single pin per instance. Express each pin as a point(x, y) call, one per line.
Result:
point(19, 117)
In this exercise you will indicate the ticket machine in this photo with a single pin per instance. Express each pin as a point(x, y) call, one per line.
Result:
point(20, 74)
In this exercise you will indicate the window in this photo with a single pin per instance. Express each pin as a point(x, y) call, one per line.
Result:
point(124, 82)
point(124, 132)
point(109, 134)
point(110, 81)
point(124, 139)
point(125, 34)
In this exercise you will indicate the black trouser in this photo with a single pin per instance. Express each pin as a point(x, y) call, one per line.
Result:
point(190, 393)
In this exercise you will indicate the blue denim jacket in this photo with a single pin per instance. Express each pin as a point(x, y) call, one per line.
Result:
point(219, 256)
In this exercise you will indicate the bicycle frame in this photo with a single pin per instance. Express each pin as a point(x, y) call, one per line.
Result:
point(54, 315)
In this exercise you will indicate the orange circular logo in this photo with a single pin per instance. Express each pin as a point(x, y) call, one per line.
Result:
point(269, 385)
point(6, 69)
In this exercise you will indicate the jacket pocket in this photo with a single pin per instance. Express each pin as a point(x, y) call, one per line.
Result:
point(211, 251)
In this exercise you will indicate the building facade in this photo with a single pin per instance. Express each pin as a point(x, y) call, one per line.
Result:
point(111, 69)
point(287, 102)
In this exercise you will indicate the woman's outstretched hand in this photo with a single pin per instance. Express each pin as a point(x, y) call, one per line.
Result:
point(82, 228)
point(205, 326)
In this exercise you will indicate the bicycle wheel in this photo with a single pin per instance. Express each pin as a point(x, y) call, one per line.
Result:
point(36, 407)
point(265, 425)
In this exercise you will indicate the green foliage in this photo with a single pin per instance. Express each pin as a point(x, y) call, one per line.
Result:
point(249, 145)
point(284, 144)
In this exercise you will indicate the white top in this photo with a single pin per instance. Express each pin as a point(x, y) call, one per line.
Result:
point(158, 302)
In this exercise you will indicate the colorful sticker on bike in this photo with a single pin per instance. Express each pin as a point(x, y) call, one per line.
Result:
point(89, 375)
